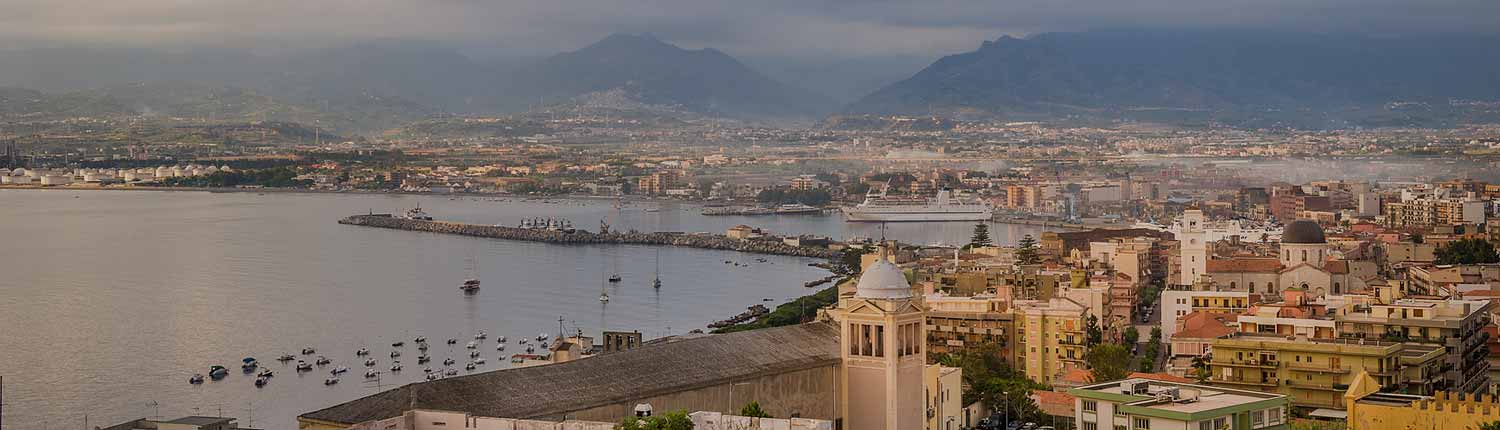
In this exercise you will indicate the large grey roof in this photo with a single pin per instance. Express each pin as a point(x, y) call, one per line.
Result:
point(652, 369)
point(1303, 231)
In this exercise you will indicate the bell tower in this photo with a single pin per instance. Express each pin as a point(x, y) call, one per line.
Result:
point(883, 346)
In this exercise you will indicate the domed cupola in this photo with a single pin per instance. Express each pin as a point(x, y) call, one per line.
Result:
point(883, 280)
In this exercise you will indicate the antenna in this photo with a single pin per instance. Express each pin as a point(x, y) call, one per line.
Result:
point(156, 407)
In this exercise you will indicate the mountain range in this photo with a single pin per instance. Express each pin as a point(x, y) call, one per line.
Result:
point(1233, 77)
point(1058, 75)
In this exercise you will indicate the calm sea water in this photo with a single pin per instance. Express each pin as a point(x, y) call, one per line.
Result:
point(109, 301)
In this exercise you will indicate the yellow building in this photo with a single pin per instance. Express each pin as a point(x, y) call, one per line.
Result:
point(1315, 372)
point(1050, 338)
point(944, 397)
point(1370, 409)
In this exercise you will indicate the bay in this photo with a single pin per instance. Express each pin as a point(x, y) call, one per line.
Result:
point(110, 300)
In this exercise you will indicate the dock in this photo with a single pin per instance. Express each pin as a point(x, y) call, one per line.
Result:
point(770, 245)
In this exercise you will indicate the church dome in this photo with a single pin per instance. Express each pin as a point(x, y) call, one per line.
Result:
point(882, 280)
point(1303, 231)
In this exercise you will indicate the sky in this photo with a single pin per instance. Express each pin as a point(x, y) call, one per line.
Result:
point(756, 28)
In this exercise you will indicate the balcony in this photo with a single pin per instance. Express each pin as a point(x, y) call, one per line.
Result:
point(1244, 363)
point(1241, 381)
point(1308, 367)
point(1316, 386)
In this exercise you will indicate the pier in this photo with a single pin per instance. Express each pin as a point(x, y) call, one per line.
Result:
point(770, 245)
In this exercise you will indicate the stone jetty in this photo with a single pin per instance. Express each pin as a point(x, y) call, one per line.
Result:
point(582, 237)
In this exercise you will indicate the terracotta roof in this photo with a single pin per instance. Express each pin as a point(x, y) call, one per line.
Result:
point(1336, 267)
point(653, 369)
point(1077, 376)
point(1244, 265)
point(1162, 377)
point(1205, 325)
point(1054, 403)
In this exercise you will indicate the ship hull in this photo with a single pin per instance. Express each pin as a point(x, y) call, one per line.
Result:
point(858, 215)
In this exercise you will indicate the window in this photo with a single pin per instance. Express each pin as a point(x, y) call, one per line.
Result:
point(1304, 255)
point(1206, 425)
point(1258, 419)
point(880, 341)
point(1118, 412)
point(1273, 416)
point(1142, 423)
point(1090, 406)
point(1090, 425)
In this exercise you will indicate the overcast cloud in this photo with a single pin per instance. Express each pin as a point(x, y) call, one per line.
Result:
point(789, 28)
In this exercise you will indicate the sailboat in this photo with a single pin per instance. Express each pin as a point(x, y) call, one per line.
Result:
point(603, 294)
point(656, 283)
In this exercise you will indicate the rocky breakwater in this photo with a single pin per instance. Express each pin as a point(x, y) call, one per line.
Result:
point(583, 237)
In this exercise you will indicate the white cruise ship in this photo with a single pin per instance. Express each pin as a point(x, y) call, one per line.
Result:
point(944, 207)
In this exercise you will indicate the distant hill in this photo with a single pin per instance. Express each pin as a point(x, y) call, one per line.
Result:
point(194, 102)
point(375, 86)
point(654, 72)
point(1201, 75)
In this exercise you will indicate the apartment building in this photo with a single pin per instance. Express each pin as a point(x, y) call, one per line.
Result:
point(1314, 372)
point(1146, 404)
point(1050, 337)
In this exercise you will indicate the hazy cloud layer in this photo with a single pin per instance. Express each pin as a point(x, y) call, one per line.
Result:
point(791, 28)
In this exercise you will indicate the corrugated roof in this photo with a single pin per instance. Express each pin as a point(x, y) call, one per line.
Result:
point(650, 370)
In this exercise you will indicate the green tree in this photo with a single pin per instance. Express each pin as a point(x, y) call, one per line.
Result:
point(981, 236)
point(1146, 364)
point(1156, 334)
point(1107, 362)
point(1492, 425)
point(1468, 251)
point(676, 420)
point(1026, 251)
point(753, 410)
point(1093, 335)
point(1132, 336)
point(1201, 371)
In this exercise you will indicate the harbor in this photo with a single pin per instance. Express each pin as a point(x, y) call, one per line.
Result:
point(181, 282)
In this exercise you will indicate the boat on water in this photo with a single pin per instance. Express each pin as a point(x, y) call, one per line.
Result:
point(309, 351)
point(217, 372)
point(331, 381)
point(481, 335)
point(943, 207)
point(797, 209)
point(196, 379)
point(395, 354)
point(303, 366)
point(416, 213)
point(321, 361)
point(396, 367)
point(452, 341)
point(501, 339)
point(472, 345)
point(362, 352)
point(398, 344)
point(338, 370)
point(370, 362)
point(423, 359)
point(614, 278)
point(420, 340)
point(478, 360)
point(500, 347)
point(473, 354)
point(265, 373)
point(469, 286)
point(656, 282)
point(261, 382)
point(286, 357)
point(448, 361)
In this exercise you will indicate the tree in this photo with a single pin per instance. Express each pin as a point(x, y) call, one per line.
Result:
point(981, 236)
point(677, 420)
point(1201, 371)
point(1093, 335)
point(1468, 251)
point(1107, 362)
point(1146, 364)
point(1492, 425)
point(1156, 334)
point(1026, 251)
point(1132, 336)
point(753, 410)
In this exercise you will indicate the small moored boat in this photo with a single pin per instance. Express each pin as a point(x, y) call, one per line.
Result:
point(331, 380)
point(196, 379)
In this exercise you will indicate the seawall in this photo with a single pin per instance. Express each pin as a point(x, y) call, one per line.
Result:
point(582, 237)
